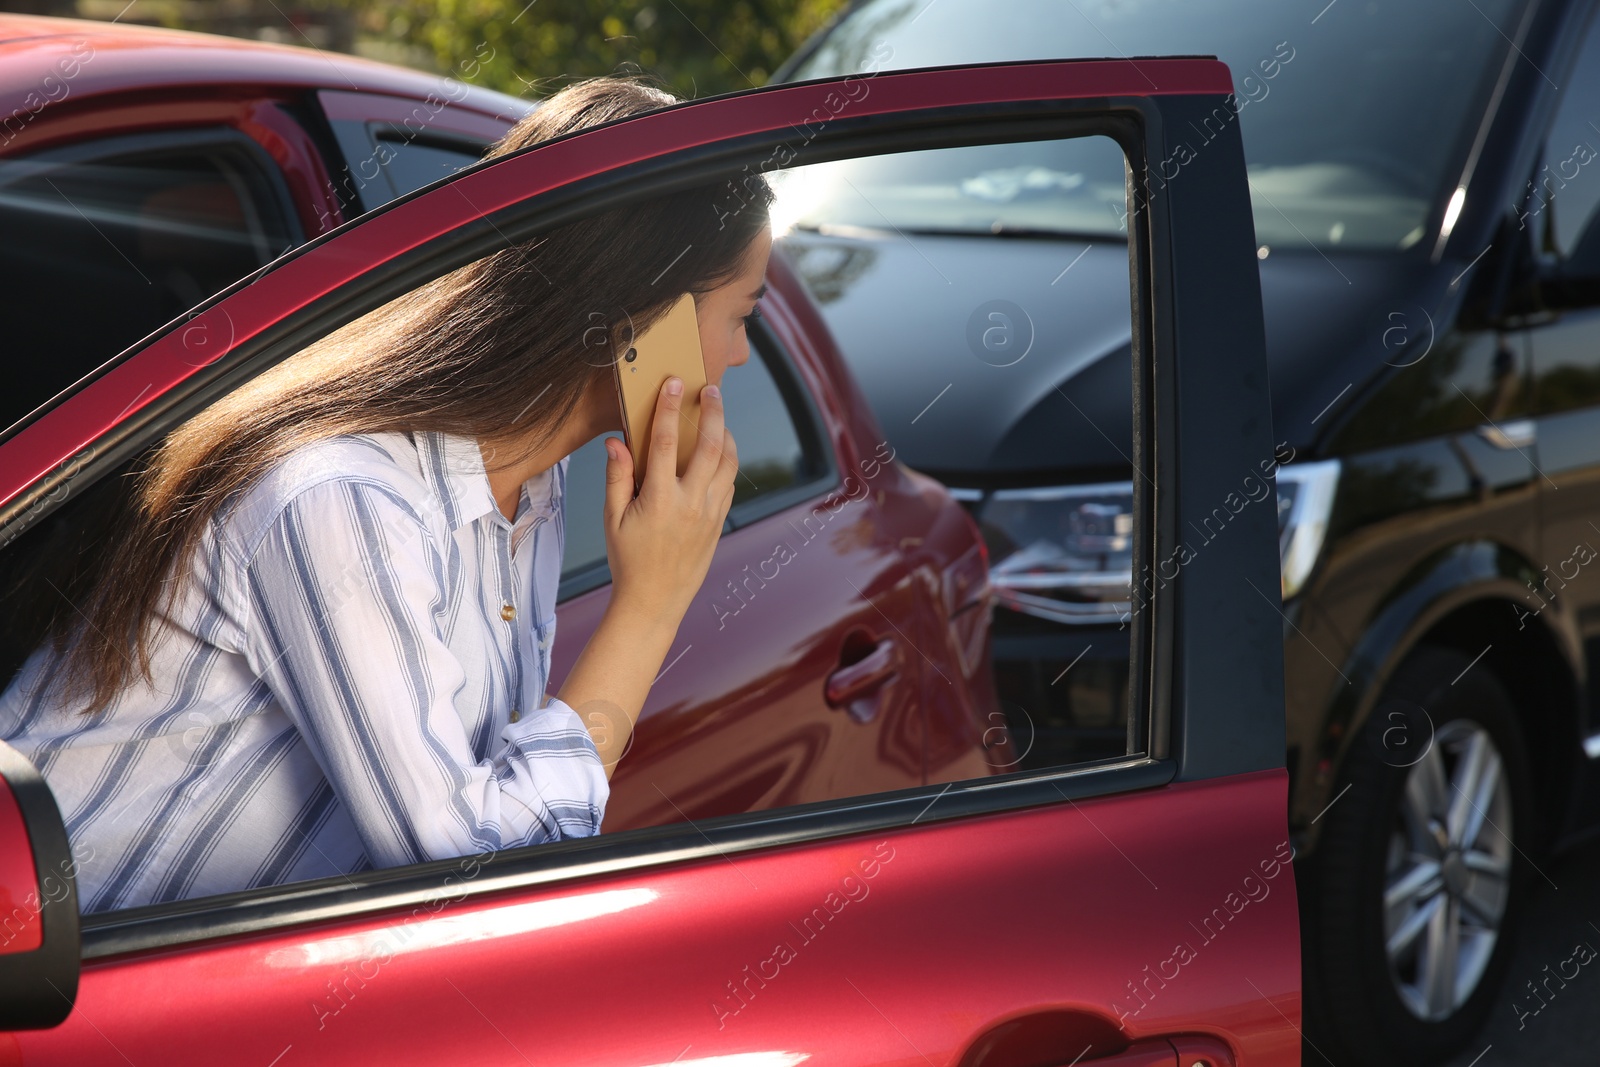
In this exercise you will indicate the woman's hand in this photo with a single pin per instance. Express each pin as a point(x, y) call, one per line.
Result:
point(660, 543)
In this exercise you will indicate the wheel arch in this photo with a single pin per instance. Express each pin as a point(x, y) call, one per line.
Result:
point(1475, 597)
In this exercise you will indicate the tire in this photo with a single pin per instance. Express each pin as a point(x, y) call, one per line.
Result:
point(1393, 833)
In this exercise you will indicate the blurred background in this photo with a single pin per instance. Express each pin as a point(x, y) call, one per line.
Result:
point(533, 47)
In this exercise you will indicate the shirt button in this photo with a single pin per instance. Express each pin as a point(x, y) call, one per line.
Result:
point(507, 612)
point(516, 716)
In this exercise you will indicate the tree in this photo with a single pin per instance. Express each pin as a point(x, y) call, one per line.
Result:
point(533, 47)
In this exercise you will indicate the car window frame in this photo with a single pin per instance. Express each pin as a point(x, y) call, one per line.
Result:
point(1176, 748)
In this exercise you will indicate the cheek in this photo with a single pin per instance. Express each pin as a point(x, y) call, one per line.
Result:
point(713, 352)
point(722, 352)
point(741, 349)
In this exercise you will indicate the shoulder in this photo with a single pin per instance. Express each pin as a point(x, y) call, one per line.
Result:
point(317, 475)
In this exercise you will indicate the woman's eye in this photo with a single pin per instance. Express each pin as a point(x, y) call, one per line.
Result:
point(755, 313)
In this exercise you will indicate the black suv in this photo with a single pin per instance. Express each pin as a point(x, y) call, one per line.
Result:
point(1424, 178)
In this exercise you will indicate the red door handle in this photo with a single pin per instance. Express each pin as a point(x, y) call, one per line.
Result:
point(1055, 1038)
point(857, 687)
point(1181, 1050)
point(1152, 1053)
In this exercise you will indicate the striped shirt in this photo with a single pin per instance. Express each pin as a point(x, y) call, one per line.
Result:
point(354, 678)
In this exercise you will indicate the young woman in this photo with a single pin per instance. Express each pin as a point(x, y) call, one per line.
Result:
point(320, 640)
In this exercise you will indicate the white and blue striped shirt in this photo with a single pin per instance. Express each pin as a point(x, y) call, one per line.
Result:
point(354, 679)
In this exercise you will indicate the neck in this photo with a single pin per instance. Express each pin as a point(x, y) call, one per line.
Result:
point(595, 414)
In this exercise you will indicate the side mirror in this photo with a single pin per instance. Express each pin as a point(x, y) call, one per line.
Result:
point(1575, 281)
point(39, 937)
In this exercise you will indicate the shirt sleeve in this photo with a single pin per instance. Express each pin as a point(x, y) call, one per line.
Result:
point(346, 591)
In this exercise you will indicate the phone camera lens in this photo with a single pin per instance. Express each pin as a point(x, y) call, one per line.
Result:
point(633, 354)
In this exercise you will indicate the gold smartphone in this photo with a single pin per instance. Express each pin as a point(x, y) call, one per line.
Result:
point(670, 347)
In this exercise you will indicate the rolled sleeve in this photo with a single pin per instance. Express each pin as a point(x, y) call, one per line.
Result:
point(563, 754)
point(345, 589)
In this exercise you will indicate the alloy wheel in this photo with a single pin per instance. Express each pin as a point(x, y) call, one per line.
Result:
point(1448, 871)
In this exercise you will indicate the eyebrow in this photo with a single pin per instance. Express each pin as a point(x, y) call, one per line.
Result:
point(759, 293)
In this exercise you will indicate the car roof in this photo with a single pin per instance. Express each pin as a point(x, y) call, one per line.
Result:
point(135, 58)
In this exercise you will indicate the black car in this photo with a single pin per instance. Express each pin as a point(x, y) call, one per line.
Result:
point(1424, 179)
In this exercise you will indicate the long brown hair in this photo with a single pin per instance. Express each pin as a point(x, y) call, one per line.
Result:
point(502, 347)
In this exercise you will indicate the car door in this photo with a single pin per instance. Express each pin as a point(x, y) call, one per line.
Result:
point(1135, 910)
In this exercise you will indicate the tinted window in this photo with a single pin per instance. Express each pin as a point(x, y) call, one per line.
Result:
point(102, 246)
point(412, 163)
point(385, 160)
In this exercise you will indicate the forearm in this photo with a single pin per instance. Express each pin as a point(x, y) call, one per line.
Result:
point(611, 678)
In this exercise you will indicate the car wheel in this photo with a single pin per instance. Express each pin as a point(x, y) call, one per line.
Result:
point(1420, 873)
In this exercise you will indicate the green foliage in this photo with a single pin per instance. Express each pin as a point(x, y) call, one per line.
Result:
point(694, 47)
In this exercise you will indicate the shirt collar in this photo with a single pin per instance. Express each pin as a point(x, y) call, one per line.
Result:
point(452, 464)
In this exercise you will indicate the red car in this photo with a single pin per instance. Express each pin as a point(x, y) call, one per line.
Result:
point(831, 738)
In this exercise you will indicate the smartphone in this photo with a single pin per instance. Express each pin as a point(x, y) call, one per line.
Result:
point(670, 347)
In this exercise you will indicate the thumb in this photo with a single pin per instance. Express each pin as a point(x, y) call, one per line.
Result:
point(619, 481)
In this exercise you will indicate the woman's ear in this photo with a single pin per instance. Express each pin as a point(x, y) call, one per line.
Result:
point(606, 339)
point(622, 335)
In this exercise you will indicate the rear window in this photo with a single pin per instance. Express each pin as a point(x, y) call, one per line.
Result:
point(107, 242)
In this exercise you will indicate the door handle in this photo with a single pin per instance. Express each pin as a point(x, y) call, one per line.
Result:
point(1180, 1050)
point(857, 686)
point(1152, 1053)
point(1056, 1038)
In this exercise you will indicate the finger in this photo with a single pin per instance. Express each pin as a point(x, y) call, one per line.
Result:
point(662, 469)
point(728, 466)
point(619, 481)
point(708, 445)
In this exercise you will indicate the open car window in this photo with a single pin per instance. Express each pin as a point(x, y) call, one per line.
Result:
point(848, 626)
point(290, 630)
